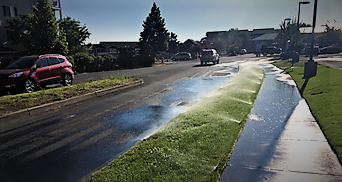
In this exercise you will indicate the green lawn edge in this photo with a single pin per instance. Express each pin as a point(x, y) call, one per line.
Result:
point(12, 103)
point(324, 97)
point(196, 145)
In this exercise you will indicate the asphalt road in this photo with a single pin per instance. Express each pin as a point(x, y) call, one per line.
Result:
point(70, 143)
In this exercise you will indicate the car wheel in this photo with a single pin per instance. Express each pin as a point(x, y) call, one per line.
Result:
point(30, 85)
point(67, 79)
point(214, 62)
point(201, 62)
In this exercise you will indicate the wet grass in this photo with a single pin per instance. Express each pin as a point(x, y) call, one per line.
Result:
point(196, 145)
point(11, 103)
point(324, 96)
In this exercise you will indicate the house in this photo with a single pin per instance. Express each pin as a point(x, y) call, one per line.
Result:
point(113, 48)
point(191, 43)
point(268, 38)
point(259, 32)
point(212, 36)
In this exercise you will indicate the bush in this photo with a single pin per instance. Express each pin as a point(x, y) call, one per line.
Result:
point(128, 60)
point(83, 62)
point(110, 62)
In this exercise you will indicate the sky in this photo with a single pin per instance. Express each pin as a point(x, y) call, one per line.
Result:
point(121, 20)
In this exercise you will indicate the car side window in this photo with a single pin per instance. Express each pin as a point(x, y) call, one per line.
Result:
point(43, 62)
point(53, 60)
point(61, 60)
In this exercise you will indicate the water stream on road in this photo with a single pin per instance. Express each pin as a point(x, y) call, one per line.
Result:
point(176, 98)
point(275, 103)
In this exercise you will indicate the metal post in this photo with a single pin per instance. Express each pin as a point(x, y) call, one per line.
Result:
point(297, 34)
point(310, 69)
point(313, 32)
point(60, 9)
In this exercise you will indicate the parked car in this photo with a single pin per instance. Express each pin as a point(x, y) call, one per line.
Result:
point(315, 51)
point(270, 50)
point(209, 55)
point(241, 51)
point(27, 73)
point(181, 56)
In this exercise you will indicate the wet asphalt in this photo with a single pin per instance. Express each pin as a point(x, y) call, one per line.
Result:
point(70, 143)
point(281, 140)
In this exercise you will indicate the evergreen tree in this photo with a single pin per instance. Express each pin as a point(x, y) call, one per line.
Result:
point(173, 43)
point(154, 37)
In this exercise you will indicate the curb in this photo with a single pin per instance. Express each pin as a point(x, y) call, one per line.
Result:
point(56, 105)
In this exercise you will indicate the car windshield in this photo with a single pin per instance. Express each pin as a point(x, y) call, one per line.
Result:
point(22, 63)
point(207, 53)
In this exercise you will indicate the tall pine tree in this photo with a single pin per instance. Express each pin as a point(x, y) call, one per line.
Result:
point(154, 37)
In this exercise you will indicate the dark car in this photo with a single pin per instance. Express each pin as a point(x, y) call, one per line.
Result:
point(27, 73)
point(270, 50)
point(209, 55)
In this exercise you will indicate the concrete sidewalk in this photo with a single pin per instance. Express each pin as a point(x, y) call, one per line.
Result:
point(281, 140)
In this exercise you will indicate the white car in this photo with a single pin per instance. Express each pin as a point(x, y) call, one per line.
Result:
point(181, 56)
point(241, 51)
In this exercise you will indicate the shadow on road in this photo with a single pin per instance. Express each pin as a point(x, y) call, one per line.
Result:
point(203, 65)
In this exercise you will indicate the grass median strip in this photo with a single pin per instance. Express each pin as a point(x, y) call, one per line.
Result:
point(11, 103)
point(324, 96)
point(195, 145)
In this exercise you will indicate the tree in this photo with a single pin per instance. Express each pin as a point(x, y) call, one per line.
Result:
point(330, 36)
point(75, 34)
point(38, 32)
point(173, 43)
point(154, 37)
point(290, 31)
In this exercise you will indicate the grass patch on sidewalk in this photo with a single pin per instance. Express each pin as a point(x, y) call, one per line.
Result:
point(11, 103)
point(323, 93)
point(196, 145)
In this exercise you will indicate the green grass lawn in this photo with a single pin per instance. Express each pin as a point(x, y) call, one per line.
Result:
point(11, 103)
point(196, 145)
point(324, 96)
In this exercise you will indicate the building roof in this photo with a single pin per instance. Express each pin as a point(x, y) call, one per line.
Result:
point(191, 41)
point(120, 44)
point(263, 31)
point(269, 36)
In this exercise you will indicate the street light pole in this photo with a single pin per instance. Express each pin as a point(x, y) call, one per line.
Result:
point(301, 2)
point(310, 69)
point(287, 41)
point(313, 31)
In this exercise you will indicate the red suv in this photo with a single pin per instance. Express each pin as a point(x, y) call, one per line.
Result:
point(27, 73)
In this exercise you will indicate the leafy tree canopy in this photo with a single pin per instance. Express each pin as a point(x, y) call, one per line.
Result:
point(290, 31)
point(330, 36)
point(75, 34)
point(38, 32)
